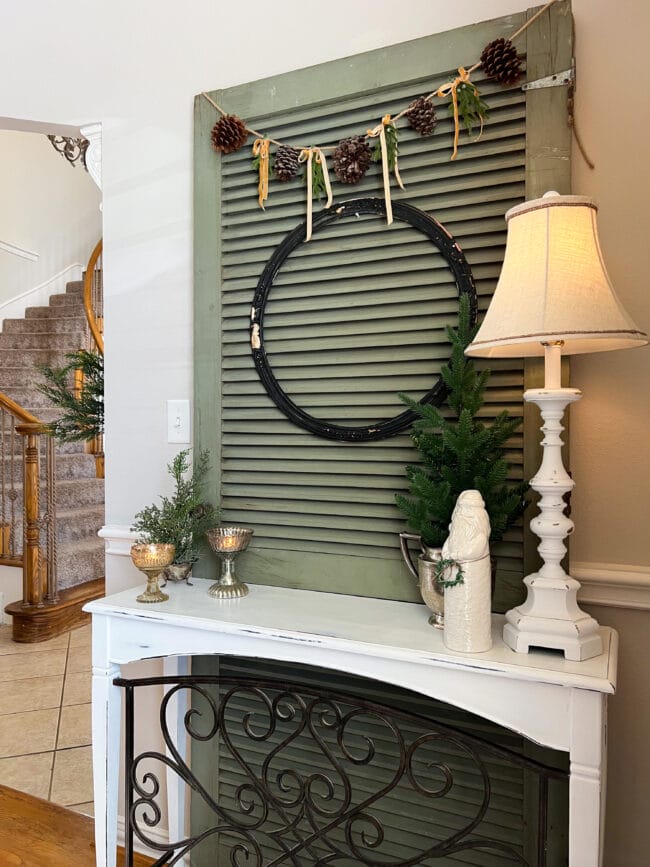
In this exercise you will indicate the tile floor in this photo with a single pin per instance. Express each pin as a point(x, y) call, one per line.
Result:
point(45, 718)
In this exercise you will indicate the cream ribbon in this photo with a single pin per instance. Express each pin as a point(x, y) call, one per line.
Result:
point(261, 150)
point(308, 155)
point(380, 130)
point(450, 88)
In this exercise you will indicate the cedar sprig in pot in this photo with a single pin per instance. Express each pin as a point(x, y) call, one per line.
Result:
point(182, 518)
point(459, 452)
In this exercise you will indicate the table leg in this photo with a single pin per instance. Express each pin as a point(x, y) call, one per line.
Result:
point(588, 755)
point(106, 719)
point(177, 666)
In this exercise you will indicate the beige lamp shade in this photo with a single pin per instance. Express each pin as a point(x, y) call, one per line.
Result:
point(554, 286)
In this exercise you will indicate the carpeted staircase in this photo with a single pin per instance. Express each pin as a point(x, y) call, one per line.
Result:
point(43, 336)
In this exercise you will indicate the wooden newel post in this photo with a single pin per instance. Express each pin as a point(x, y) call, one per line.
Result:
point(34, 578)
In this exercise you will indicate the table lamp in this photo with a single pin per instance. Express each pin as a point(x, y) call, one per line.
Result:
point(553, 297)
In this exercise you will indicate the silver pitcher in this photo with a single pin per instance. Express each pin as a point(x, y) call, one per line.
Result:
point(431, 590)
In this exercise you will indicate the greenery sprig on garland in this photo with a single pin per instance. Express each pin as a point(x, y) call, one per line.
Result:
point(392, 146)
point(83, 407)
point(472, 109)
point(318, 188)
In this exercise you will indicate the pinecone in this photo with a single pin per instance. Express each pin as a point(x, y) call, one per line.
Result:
point(351, 159)
point(500, 62)
point(229, 134)
point(422, 115)
point(286, 163)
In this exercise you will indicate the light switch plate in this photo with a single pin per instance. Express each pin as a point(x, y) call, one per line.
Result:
point(178, 421)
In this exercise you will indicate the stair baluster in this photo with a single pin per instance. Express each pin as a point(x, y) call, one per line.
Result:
point(34, 569)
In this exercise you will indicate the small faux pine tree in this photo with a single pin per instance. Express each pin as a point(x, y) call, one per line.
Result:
point(182, 519)
point(459, 452)
point(83, 407)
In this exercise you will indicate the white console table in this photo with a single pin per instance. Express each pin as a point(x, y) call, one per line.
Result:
point(552, 701)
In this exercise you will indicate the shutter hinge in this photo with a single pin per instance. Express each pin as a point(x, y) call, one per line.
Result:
point(556, 80)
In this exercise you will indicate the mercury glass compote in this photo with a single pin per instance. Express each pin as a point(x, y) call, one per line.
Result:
point(152, 559)
point(227, 542)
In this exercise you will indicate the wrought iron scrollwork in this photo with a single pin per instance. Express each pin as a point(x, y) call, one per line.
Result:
point(330, 809)
point(73, 149)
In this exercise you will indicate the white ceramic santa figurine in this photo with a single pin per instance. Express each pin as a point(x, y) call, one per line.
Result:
point(468, 602)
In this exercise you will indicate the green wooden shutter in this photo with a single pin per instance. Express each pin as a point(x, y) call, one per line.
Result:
point(354, 317)
point(410, 822)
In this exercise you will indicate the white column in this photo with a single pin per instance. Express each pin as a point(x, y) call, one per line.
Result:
point(587, 783)
point(93, 132)
point(106, 721)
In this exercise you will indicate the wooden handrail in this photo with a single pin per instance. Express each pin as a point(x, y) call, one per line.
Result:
point(17, 410)
point(88, 287)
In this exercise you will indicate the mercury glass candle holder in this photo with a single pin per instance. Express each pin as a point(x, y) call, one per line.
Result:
point(227, 542)
point(152, 559)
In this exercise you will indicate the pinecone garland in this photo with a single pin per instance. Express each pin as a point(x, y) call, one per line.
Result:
point(422, 115)
point(501, 63)
point(229, 134)
point(351, 159)
point(286, 163)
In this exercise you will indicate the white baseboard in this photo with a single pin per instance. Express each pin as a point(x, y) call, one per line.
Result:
point(39, 296)
point(613, 585)
point(158, 835)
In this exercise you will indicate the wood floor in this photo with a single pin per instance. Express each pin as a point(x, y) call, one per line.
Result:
point(37, 833)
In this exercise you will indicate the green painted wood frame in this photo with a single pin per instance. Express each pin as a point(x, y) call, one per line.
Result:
point(548, 46)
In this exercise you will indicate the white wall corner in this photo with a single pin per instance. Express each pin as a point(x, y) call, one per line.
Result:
point(118, 539)
point(613, 585)
point(40, 295)
point(93, 132)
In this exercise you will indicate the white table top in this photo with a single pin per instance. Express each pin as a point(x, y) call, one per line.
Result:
point(371, 627)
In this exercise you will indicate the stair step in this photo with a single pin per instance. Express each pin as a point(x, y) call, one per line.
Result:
point(80, 562)
point(44, 336)
point(26, 396)
point(14, 375)
point(68, 466)
point(50, 324)
point(43, 340)
point(70, 493)
point(74, 525)
point(68, 300)
point(31, 358)
point(44, 313)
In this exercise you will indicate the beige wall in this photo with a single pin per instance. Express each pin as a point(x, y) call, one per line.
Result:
point(627, 835)
point(610, 427)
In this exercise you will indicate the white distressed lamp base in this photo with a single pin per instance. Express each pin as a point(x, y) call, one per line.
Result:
point(551, 617)
point(578, 636)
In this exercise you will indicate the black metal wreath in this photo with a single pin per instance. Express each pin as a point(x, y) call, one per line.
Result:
point(439, 237)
